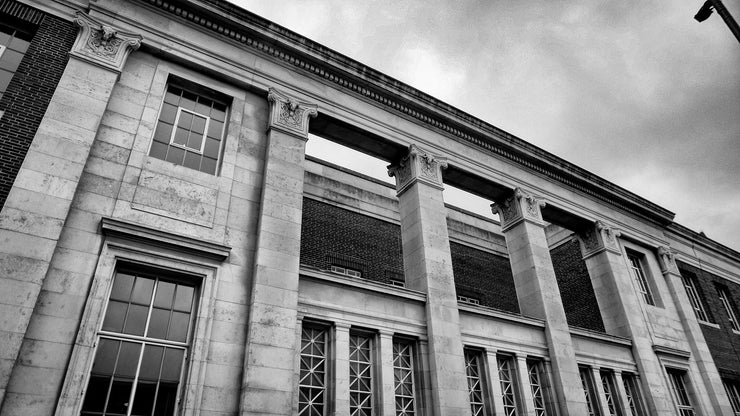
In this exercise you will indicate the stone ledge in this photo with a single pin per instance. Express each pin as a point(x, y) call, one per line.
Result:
point(362, 284)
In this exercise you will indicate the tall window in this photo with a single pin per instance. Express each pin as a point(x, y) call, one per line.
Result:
point(403, 375)
point(141, 348)
point(507, 377)
point(534, 368)
point(191, 127)
point(607, 383)
point(680, 394)
point(312, 377)
point(724, 297)
point(733, 392)
point(690, 284)
point(475, 382)
point(632, 391)
point(14, 41)
point(360, 375)
point(589, 390)
point(635, 263)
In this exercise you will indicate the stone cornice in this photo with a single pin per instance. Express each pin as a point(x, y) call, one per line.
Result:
point(292, 49)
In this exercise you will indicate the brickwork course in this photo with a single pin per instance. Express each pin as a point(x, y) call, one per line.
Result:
point(483, 275)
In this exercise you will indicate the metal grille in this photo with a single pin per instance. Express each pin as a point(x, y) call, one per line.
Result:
point(642, 282)
point(734, 395)
point(588, 390)
point(360, 375)
point(312, 382)
point(506, 376)
point(475, 382)
point(607, 383)
point(632, 391)
point(728, 308)
point(535, 381)
point(679, 393)
point(403, 375)
point(694, 298)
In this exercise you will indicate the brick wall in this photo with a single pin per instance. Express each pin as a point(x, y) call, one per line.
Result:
point(29, 93)
point(485, 276)
point(574, 282)
point(723, 343)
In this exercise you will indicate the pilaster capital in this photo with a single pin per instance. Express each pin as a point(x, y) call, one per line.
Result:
point(290, 115)
point(667, 259)
point(517, 207)
point(419, 166)
point(597, 238)
point(103, 45)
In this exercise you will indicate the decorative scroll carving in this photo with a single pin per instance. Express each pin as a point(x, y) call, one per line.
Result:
point(289, 114)
point(598, 238)
point(518, 206)
point(667, 260)
point(103, 45)
point(418, 165)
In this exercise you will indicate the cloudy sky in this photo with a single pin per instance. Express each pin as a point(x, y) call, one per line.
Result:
point(637, 92)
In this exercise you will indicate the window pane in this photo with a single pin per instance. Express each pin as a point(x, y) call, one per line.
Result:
point(136, 319)
point(183, 298)
point(181, 136)
point(144, 398)
point(128, 359)
point(158, 323)
point(215, 128)
point(192, 160)
point(122, 287)
point(166, 399)
point(105, 357)
point(188, 100)
point(120, 393)
point(171, 365)
point(10, 60)
point(97, 391)
point(165, 292)
point(203, 106)
point(143, 291)
point(199, 125)
point(208, 165)
point(168, 114)
point(173, 95)
point(163, 133)
point(151, 362)
point(195, 140)
point(179, 327)
point(219, 111)
point(159, 150)
point(115, 316)
point(175, 155)
point(211, 148)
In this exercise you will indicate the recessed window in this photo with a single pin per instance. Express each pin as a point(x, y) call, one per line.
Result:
point(142, 345)
point(346, 271)
point(191, 127)
point(733, 393)
point(689, 282)
point(473, 371)
point(610, 392)
point(632, 391)
point(468, 299)
point(724, 297)
point(507, 377)
point(313, 370)
point(537, 383)
point(14, 42)
point(677, 379)
point(589, 390)
point(636, 266)
point(360, 374)
point(403, 370)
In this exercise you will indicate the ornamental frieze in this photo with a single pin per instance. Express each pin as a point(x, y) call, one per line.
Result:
point(101, 44)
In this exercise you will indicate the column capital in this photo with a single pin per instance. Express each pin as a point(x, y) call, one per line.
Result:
point(518, 206)
point(667, 260)
point(103, 45)
point(598, 238)
point(289, 114)
point(417, 166)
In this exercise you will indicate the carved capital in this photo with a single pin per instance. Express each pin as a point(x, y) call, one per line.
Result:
point(418, 165)
point(103, 45)
point(519, 206)
point(667, 259)
point(289, 114)
point(600, 237)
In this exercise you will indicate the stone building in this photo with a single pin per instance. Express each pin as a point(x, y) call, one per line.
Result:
point(166, 247)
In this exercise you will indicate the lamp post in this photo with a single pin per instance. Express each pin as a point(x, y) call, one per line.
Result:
point(706, 11)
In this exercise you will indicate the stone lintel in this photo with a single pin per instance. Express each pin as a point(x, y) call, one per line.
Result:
point(667, 260)
point(103, 45)
point(290, 115)
point(417, 166)
point(517, 207)
point(599, 238)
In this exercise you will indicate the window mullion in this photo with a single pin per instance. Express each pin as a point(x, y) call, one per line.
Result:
point(136, 381)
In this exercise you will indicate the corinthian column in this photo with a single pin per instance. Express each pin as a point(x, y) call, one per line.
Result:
point(37, 205)
point(428, 268)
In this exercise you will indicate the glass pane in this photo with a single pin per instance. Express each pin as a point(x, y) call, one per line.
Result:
point(171, 365)
point(166, 399)
point(136, 319)
point(211, 148)
point(122, 285)
point(219, 111)
point(163, 298)
point(208, 165)
point(114, 316)
point(203, 106)
point(120, 393)
point(18, 44)
point(4, 37)
point(163, 133)
point(199, 124)
point(186, 119)
point(158, 323)
point(105, 357)
point(192, 160)
point(97, 390)
point(172, 96)
point(168, 114)
point(159, 150)
point(181, 136)
point(183, 298)
point(10, 60)
point(175, 155)
point(215, 129)
point(188, 100)
point(179, 327)
point(151, 362)
point(128, 359)
point(142, 291)
point(144, 398)
point(195, 140)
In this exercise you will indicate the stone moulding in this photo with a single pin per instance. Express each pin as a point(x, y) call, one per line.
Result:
point(417, 165)
point(517, 207)
point(289, 114)
point(101, 44)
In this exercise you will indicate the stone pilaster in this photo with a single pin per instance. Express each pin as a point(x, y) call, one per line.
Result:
point(387, 396)
point(600, 393)
point(341, 370)
point(497, 395)
point(527, 405)
point(621, 310)
point(716, 394)
point(428, 268)
point(267, 384)
point(32, 218)
point(537, 291)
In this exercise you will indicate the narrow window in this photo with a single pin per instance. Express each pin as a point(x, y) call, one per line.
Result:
point(141, 346)
point(693, 294)
point(635, 264)
point(346, 271)
point(191, 127)
point(14, 41)
point(468, 299)
point(508, 384)
point(536, 378)
point(725, 299)
point(607, 383)
point(733, 392)
point(632, 391)
point(589, 391)
point(475, 382)
point(680, 394)
point(403, 374)
point(312, 378)
point(360, 375)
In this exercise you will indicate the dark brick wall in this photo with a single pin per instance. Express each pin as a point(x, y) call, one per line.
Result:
point(485, 276)
point(29, 92)
point(574, 282)
point(724, 344)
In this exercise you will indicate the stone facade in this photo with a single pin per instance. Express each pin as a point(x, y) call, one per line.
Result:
point(166, 246)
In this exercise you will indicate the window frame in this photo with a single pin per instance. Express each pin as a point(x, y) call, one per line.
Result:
point(484, 404)
point(537, 366)
point(372, 368)
point(726, 300)
point(695, 300)
point(681, 393)
point(513, 381)
point(329, 334)
point(732, 388)
point(590, 392)
point(413, 368)
point(636, 263)
point(633, 393)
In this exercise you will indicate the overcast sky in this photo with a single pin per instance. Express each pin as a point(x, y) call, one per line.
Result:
point(636, 92)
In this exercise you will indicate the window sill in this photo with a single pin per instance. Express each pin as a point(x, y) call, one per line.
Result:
point(709, 324)
point(736, 332)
